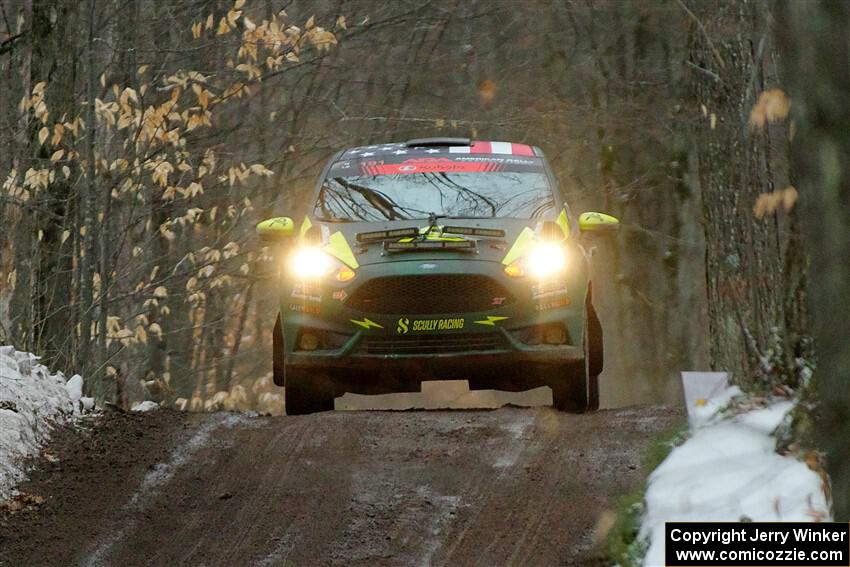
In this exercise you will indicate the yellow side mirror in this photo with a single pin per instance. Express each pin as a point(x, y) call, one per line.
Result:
point(597, 222)
point(276, 229)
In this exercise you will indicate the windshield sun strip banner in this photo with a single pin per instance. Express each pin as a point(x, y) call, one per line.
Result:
point(477, 147)
point(456, 163)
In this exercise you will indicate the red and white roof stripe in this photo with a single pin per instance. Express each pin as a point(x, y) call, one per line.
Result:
point(479, 147)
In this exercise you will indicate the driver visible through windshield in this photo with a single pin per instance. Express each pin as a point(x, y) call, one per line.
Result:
point(465, 187)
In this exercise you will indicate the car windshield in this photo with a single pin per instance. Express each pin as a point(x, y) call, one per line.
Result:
point(409, 190)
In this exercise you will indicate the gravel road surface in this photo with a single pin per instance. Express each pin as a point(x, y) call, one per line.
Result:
point(512, 486)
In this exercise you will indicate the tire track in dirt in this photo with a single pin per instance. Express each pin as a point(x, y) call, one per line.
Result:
point(510, 486)
point(159, 476)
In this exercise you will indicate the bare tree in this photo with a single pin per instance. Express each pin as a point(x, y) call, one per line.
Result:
point(753, 264)
point(820, 32)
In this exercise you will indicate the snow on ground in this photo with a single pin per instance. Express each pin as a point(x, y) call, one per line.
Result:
point(146, 405)
point(728, 470)
point(32, 401)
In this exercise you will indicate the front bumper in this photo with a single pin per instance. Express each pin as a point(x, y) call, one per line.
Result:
point(493, 346)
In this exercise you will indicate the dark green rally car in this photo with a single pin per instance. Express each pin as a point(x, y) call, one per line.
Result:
point(436, 259)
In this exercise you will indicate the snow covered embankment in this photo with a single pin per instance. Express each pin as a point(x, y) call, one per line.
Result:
point(728, 470)
point(32, 401)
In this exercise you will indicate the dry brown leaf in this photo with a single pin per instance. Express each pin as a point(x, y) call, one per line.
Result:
point(21, 502)
point(487, 91)
point(770, 203)
point(773, 105)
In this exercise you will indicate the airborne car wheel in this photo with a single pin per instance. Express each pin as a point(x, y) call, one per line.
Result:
point(569, 390)
point(307, 392)
point(577, 389)
point(278, 369)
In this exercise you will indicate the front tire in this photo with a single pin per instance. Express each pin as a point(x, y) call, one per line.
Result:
point(307, 392)
point(593, 347)
point(576, 390)
point(278, 360)
point(593, 357)
point(569, 388)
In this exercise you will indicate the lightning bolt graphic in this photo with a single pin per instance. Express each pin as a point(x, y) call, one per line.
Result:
point(366, 323)
point(491, 320)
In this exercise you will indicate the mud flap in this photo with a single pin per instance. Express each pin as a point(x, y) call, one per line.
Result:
point(594, 350)
point(278, 368)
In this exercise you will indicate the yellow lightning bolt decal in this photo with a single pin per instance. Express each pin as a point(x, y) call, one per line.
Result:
point(491, 320)
point(366, 323)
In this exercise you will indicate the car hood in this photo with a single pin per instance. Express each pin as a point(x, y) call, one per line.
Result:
point(482, 239)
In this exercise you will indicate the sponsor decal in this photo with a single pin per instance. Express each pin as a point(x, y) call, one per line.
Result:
point(545, 290)
point(491, 320)
point(306, 293)
point(562, 302)
point(430, 165)
point(301, 308)
point(339, 295)
point(498, 300)
point(405, 325)
point(366, 323)
point(508, 161)
point(427, 266)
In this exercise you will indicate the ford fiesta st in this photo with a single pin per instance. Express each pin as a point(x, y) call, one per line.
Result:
point(436, 259)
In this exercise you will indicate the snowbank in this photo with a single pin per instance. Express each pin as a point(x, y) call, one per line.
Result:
point(32, 400)
point(147, 405)
point(728, 470)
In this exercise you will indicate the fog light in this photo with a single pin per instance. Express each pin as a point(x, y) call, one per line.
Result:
point(555, 335)
point(308, 341)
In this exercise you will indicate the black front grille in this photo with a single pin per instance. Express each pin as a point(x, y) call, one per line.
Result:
point(416, 295)
point(432, 344)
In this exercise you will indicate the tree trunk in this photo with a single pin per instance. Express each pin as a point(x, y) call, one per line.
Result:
point(754, 333)
point(810, 32)
point(88, 200)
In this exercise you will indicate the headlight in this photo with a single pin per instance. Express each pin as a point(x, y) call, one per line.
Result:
point(545, 260)
point(312, 264)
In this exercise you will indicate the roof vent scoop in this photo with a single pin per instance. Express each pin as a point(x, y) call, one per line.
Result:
point(429, 142)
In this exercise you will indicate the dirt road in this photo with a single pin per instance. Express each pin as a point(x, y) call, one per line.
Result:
point(512, 486)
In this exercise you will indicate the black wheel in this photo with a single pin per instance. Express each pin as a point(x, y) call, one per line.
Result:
point(569, 388)
point(278, 362)
point(307, 392)
point(575, 388)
